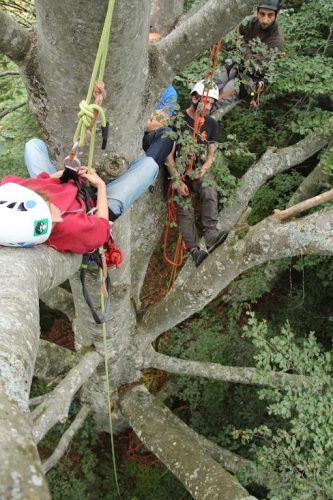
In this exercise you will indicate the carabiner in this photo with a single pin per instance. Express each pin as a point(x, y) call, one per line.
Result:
point(72, 160)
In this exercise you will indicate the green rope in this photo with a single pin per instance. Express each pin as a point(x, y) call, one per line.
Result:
point(88, 110)
point(108, 390)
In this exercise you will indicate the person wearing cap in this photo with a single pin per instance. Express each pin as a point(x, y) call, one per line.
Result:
point(264, 27)
point(70, 227)
point(203, 96)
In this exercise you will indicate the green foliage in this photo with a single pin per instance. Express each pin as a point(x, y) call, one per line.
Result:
point(212, 407)
point(274, 195)
point(17, 126)
point(326, 159)
point(300, 451)
point(22, 10)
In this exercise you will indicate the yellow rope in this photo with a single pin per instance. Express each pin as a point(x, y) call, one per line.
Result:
point(88, 111)
point(108, 390)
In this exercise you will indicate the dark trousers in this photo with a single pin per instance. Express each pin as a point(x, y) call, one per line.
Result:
point(209, 212)
point(156, 145)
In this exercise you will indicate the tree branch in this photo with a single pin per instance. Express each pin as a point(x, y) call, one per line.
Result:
point(66, 439)
point(21, 474)
point(53, 360)
point(15, 41)
point(9, 73)
point(7, 111)
point(61, 300)
point(264, 242)
point(242, 289)
point(196, 34)
point(55, 408)
point(270, 164)
point(282, 215)
point(215, 371)
point(172, 442)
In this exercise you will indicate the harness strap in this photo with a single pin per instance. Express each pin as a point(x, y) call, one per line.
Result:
point(87, 259)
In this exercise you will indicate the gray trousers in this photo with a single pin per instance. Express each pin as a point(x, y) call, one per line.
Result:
point(227, 81)
point(209, 212)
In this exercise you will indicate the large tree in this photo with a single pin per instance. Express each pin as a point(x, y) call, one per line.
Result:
point(55, 58)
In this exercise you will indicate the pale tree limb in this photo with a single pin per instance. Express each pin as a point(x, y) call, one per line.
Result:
point(66, 439)
point(25, 273)
point(224, 110)
point(164, 15)
point(172, 442)
point(216, 371)
point(295, 210)
point(15, 41)
point(264, 242)
point(242, 290)
point(273, 162)
point(61, 300)
point(20, 467)
point(196, 34)
point(53, 360)
point(7, 111)
point(314, 183)
point(55, 408)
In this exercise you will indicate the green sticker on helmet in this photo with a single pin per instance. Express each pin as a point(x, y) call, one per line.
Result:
point(41, 227)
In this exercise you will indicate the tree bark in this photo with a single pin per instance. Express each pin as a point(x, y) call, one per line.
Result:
point(172, 442)
point(15, 41)
point(215, 371)
point(164, 15)
point(264, 242)
point(295, 210)
point(57, 59)
point(24, 274)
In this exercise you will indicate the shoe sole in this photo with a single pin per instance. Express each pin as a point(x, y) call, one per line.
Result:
point(218, 242)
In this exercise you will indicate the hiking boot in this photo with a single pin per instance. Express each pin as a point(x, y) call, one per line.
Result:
point(214, 241)
point(198, 256)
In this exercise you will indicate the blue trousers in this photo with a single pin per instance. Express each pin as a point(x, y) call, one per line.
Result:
point(157, 145)
point(121, 193)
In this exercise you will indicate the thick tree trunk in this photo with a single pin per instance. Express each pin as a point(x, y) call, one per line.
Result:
point(57, 59)
point(25, 273)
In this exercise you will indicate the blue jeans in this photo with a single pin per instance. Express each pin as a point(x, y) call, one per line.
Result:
point(121, 193)
point(157, 144)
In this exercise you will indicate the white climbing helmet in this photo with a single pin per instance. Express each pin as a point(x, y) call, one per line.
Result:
point(206, 87)
point(25, 218)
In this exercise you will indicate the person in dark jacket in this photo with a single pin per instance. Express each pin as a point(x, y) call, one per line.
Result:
point(263, 27)
point(203, 95)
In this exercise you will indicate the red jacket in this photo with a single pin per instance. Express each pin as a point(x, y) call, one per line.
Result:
point(79, 232)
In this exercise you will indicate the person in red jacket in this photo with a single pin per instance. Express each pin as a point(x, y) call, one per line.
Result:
point(71, 229)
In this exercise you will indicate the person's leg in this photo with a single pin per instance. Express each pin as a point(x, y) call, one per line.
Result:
point(37, 159)
point(209, 213)
point(186, 221)
point(230, 93)
point(208, 203)
point(158, 145)
point(123, 191)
